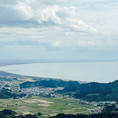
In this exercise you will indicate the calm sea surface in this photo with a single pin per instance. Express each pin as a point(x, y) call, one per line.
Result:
point(81, 71)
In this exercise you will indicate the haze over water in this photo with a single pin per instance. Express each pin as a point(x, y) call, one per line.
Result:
point(84, 71)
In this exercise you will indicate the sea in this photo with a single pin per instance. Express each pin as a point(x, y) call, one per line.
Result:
point(102, 72)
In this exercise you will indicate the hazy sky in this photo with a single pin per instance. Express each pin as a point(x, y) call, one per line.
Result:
point(58, 29)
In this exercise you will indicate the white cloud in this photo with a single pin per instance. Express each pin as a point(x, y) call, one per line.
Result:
point(57, 25)
point(78, 25)
point(24, 10)
point(64, 17)
point(26, 13)
point(48, 14)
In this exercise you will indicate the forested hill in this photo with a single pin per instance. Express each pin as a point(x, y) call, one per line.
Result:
point(88, 91)
point(98, 91)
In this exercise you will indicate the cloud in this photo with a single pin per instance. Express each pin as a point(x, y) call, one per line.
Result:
point(57, 28)
point(58, 41)
point(25, 10)
point(41, 13)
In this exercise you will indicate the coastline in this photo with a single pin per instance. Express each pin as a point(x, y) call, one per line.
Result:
point(45, 75)
point(17, 62)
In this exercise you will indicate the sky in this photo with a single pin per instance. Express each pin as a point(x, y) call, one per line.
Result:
point(58, 29)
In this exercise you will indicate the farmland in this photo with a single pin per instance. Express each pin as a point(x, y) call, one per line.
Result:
point(47, 106)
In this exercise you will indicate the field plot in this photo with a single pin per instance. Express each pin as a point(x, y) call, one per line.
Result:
point(47, 106)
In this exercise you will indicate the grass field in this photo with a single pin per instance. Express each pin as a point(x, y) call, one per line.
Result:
point(47, 106)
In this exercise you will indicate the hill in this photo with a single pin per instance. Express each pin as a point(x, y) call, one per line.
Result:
point(92, 91)
point(88, 91)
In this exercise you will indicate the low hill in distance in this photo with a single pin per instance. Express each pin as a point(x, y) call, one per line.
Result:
point(92, 91)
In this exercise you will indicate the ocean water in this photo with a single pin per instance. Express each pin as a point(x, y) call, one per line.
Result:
point(81, 71)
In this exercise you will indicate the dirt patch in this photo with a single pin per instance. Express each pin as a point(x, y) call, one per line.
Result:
point(37, 101)
point(25, 113)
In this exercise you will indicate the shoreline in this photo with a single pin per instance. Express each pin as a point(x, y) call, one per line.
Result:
point(17, 62)
point(23, 63)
